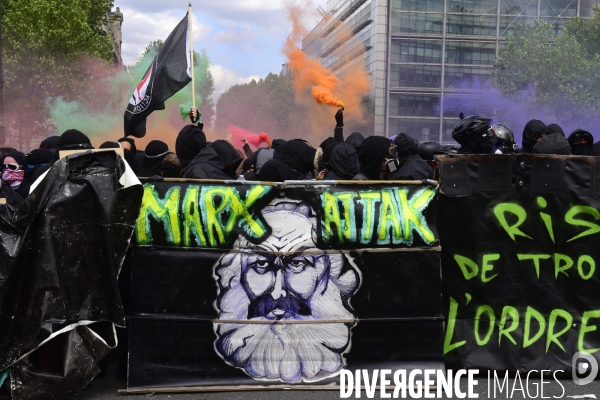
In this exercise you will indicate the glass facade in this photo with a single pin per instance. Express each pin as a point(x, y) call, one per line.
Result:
point(426, 56)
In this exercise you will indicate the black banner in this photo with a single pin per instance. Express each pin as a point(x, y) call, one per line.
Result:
point(519, 241)
point(60, 256)
point(249, 284)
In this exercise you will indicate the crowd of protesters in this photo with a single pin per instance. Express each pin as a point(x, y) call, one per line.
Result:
point(355, 157)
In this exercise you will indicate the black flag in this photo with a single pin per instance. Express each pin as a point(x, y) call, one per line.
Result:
point(169, 73)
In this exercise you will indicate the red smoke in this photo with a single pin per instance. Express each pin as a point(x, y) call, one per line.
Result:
point(254, 139)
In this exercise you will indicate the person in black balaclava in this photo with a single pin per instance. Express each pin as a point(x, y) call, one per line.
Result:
point(299, 156)
point(553, 144)
point(555, 128)
point(155, 153)
point(278, 145)
point(475, 136)
point(533, 132)
point(344, 163)
point(319, 165)
point(190, 141)
point(129, 152)
point(219, 160)
point(110, 145)
point(581, 142)
point(50, 143)
point(373, 154)
point(327, 155)
point(36, 159)
point(410, 164)
point(356, 139)
point(276, 171)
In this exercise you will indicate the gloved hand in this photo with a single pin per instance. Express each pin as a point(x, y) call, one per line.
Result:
point(195, 115)
point(339, 118)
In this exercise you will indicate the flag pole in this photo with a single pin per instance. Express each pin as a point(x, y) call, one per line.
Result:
point(192, 54)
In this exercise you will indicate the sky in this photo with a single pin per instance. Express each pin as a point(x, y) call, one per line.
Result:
point(242, 38)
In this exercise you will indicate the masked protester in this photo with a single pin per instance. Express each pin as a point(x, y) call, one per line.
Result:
point(356, 139)
point(373, 154)
point(190, 141)
point(36, 160)
point(410, 166)
point(155, 153)
point(219, 160)
point(13, 169)
point(553, 144)
point(533, 132)
point(170, 167)
point(129, 153)
point(475, 136)
point(276, 171)
point(555, 128)
point(299, 156)
point(581, 142)
point(344, 163)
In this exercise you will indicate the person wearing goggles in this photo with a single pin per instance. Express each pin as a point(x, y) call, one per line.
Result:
point(13, 171)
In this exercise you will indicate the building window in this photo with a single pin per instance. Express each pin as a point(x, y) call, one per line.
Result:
point(508, 24)
point(518, 7)
point(418, 5)
point(467, 77)
point(417, 51)
point(587, 6)
point(417, 23)
point(483, 53)
point(481, 25)
point(558, 8)
point(473, 6)
point(416, 105)
point(426, 76)
point(420, 129)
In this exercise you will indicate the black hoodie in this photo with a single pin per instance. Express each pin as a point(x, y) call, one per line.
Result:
point(531, 133)
point(553, 144)
point(582, 149)
point(343, 163)
point(190, 140)
point(372, 155)
point(299, 156)
point(410, 164)
point(356, 139)
point(155, 153)
point(217, 161)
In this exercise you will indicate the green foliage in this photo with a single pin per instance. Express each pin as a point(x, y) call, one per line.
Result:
point(47, 45)
point(268, 105)
point(559, 73)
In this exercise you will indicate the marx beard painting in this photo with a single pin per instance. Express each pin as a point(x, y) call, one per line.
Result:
point(286, 295)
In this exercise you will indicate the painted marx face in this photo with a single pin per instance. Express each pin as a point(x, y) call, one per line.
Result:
point(277, 289)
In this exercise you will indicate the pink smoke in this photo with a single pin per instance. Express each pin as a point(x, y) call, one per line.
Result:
point(254, 139)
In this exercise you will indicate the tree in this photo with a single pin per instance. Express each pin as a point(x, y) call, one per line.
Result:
point(267, 105)
point(556, 74)
point(47, 48)
point(205, 89)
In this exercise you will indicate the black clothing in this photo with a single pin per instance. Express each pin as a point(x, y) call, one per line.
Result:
point(50, 143)
point(131, 142)
point(278, 145)
point(582, 149)
point(553, 144)
point(276, 171)
point(247, 150)
point(156, 151)
point(595, 150)
point(410, 164)
point(11, 196)
point(474, 135)
point(206, 165)
point(327, 142)
point(343, 163)
point(169, 170)
point(356, 139)
point(372, 155)
point(531, 133)
point(36, 159)
point(73, 139)
point(554, 128)
point(229, 156)
point(19, 157)
point(190, 141)
point(299, 156)
point(110, 145)
point(327, 151)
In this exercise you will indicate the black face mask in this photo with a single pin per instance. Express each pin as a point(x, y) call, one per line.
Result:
point(129, 156)
point(582, 149)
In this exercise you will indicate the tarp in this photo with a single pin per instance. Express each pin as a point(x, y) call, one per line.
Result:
point(60, 256)
point(250, 284)
point(520, 249)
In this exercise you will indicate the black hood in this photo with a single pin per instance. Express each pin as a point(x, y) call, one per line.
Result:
point(276, 171)
point(155, 153)
point(229, 156)
point(40, 157)
point(582, 149)
point(405, 145)
point(531, 133)
point(555, 128)
point(327, 142)
point(344, 162)
point(278, 145)
point(73, 139)
point(206, 165)
point(595, 150)
point(372, 154)
point(553, 144)
point(50, 143)
point(356, 139)
point(298, 155)
point(327, 151)
point(190, 140)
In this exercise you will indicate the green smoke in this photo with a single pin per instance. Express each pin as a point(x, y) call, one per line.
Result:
point(100, 108)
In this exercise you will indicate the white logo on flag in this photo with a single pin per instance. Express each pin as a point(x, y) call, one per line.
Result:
point(140, 91)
